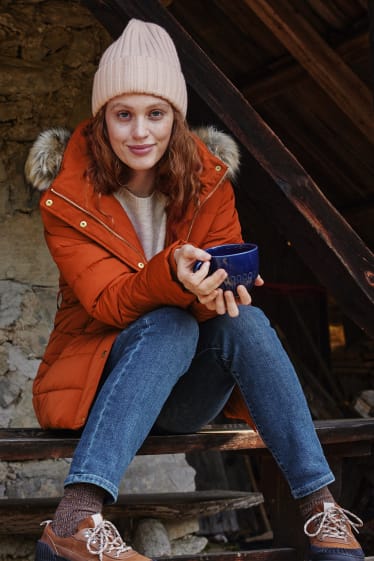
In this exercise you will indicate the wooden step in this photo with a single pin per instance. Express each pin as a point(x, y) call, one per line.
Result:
point(274, 554)
point(345, 437)
point(23, 516)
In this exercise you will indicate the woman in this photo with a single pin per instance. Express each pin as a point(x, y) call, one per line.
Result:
point(141, 341)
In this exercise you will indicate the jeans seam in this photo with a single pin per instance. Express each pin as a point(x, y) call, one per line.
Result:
point(258, 425)
point(226, 363)
point(297, 493)
point(127, 358)
point(109, 396)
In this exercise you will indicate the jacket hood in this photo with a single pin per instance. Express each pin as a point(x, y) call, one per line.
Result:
point(45, 156)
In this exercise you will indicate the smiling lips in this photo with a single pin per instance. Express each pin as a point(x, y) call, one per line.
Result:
point(141, 149)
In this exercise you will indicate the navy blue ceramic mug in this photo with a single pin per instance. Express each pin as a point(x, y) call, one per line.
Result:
point(240, 261)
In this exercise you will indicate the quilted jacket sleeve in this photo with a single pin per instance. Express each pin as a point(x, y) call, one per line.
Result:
point(108, 289)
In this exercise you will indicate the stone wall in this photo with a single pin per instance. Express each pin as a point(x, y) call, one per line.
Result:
point(49, 52)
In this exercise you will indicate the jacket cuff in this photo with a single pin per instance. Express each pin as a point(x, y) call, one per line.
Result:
point(173, 265)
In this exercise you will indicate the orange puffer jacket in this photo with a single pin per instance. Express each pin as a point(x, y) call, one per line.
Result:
point(106, 281)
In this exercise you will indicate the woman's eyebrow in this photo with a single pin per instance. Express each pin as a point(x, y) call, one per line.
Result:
point(155, 105)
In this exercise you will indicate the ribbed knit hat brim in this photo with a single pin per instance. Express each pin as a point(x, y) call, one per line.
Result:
point(142, 60)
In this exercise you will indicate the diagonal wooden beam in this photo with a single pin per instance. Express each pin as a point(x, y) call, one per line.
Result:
point(326, 67)
point(288, 71)
point(323, 239)
point(371, 35)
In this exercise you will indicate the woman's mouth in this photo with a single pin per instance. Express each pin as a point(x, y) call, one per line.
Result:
point(140, 149)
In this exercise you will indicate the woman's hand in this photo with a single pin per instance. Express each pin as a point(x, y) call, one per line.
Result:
point(226, 301)
point(206, 288)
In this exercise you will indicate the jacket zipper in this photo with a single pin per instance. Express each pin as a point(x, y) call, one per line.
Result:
point(203, 203)
point(118, 236)
point(108, 228)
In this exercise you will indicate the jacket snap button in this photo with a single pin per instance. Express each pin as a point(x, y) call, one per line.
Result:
point(141, 265)
point(218, 168)
point(48, 202)
point(83, 224)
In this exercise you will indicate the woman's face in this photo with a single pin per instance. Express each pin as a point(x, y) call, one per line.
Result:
point(139, 128)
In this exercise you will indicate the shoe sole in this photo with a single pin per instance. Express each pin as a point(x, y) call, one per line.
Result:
point(44, 553)
point(336, 555)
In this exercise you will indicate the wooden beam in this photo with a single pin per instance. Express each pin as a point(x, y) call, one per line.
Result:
point(326, 67)
point(284, 71)
point(324, 240)
point(20, 444)
point(288, 72)
point(371, 35)
point(20, 516)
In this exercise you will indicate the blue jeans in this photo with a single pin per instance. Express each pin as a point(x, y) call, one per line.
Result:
point(169, 372)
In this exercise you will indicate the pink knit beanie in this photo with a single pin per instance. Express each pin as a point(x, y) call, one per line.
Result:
point(142, 60)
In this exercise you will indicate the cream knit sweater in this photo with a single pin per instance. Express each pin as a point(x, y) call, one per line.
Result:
point(148, 217)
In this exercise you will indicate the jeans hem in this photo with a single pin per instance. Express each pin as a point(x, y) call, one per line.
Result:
point(306, 490)
point(95, 480)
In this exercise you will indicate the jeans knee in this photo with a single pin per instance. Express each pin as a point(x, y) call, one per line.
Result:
point(257, 327)
point(253, 317)
point(251, 329)
point(251, 320)
point(175, 326)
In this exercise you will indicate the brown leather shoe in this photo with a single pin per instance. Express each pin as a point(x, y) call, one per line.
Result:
point(330, 533)
point(95, 538)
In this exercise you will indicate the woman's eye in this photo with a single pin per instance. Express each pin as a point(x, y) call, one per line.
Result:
point(156, 114)
point(123, 114)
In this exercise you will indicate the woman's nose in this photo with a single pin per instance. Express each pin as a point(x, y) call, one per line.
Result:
point(140, 128)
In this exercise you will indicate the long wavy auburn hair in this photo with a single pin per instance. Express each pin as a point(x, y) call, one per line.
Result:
point(177, 173)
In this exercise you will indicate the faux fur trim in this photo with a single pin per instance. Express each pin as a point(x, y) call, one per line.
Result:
point(44, 159)
point(45, 156)
point(223, 146)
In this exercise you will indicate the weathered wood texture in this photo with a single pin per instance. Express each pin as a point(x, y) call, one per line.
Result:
point(371, 34)
point(274, 554)
point(326, 67)
point(341, 439)
point(324, 240)
point(342, 436)
point(279, 79)
point(23, 516)
point(26, 444)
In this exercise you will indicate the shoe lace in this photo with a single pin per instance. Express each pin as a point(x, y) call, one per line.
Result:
point(335, 523)
point(105, 538)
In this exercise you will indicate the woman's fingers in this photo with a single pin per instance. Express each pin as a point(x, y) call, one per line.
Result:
point(231, 305)
point(243, 294)
point(220, 302)
point(207, 287)
point(259, 281)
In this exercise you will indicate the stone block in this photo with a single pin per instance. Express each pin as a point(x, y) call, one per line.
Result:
point(189, 545)
point(151, 538)
point(159, 474)
point(26, 258)
point(34, 479)
point(179, 528)
point(17, 549)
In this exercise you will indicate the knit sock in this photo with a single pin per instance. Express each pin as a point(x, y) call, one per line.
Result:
point(80, 501)
point(308, 505)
